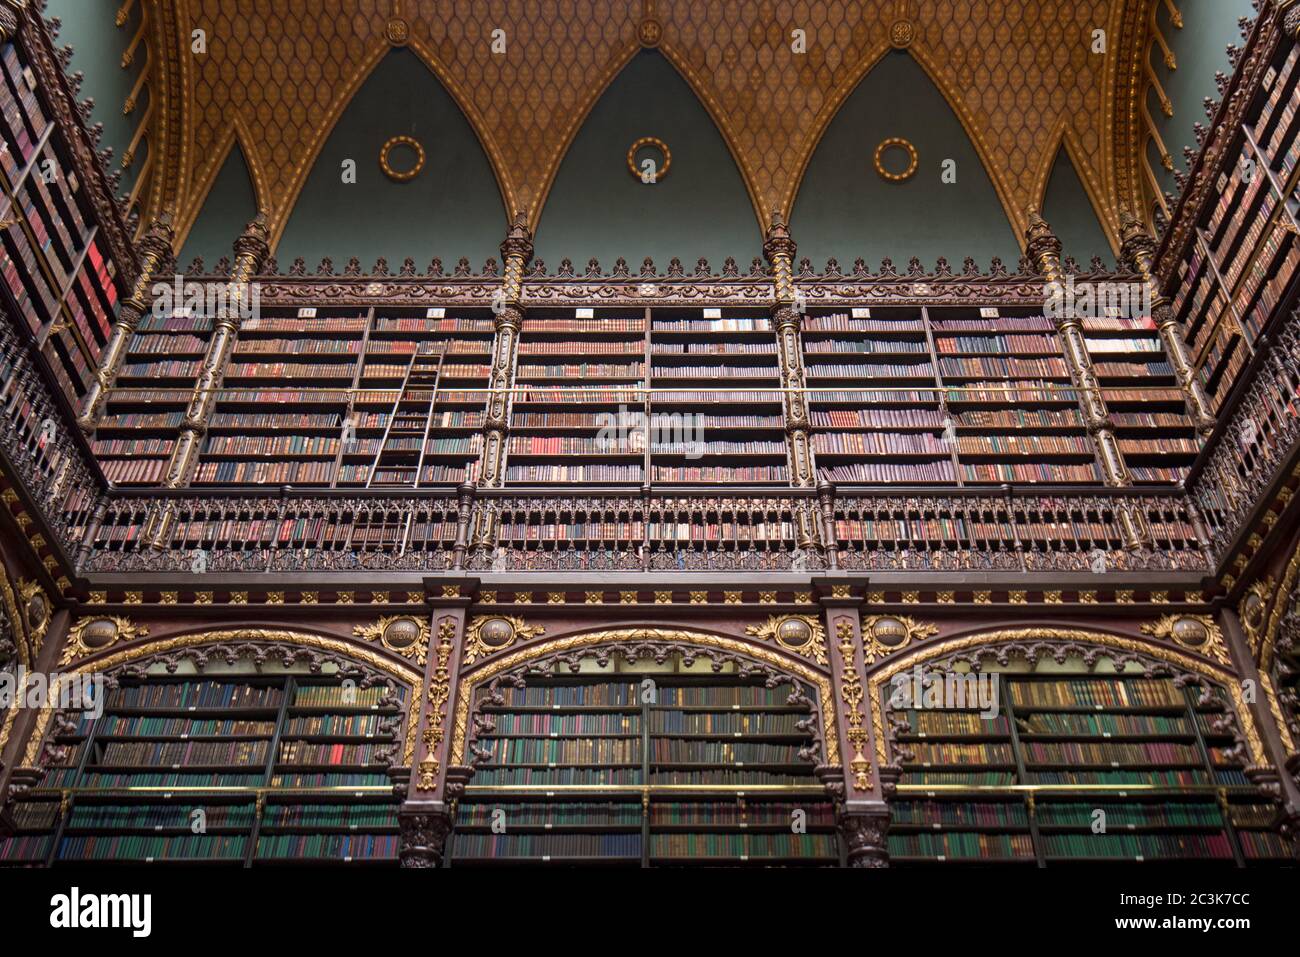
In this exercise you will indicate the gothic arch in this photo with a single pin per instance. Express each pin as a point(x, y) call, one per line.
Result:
point(644, 642)
point(1064, 138)
point(1049, 639)
point(1016, 217)
point(237, 134)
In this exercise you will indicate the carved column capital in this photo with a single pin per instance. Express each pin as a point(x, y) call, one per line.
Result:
point(865, 835)
point(1137, 246)
point(1291, 22)
point(252, 248)
point(778, 241)
point(423, 840)
point(1042, 246)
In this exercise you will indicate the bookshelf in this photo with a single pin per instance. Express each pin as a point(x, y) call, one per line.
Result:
point(226, 771)
point(579, 409)
point(716, 401)
point(57, 273)
point(1078, 768)
point(657, 768)
point(1239, 272)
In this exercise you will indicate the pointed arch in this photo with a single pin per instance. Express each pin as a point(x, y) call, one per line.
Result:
point(233, 144)
point(615, 67)
point(339, 106)
point(649, 96)
point(748, 175)
point(453, 207)
point(1016, 218)
point(840, 197)
point(1065, 140)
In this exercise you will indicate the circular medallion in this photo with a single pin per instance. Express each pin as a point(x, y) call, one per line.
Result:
point(401, 633)
point(100, 633)
point(398, 31)
point(1190, 632)
point(901, 34)
point(496, 632)
point(896, 142)
point(793, 633)
point(38, 609)
point(890, 632)
point(660, 170)
point(385, 163)
point(650, 31)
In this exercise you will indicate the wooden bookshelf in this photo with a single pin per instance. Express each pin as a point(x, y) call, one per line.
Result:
point(609, 770)
point(233, 771)
point(1239, 274)
point(57, 274)
point(1078, 768)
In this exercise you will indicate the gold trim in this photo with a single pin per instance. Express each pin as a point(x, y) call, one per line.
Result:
point(912, 165)
point(391, 144)
point(1163, 629)
point(417, 650)
point(76, 646)
point(658, 144)
point(813, 647)
point(476, 648)
point(914, 630)
point(763, 653)
point(438, 696)
point(927, 652)
point(851, 695)
point(407, 674)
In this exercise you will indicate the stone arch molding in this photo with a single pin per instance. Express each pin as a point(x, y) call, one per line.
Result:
point(233, 644)
point(642, 643)
point(1057, 642)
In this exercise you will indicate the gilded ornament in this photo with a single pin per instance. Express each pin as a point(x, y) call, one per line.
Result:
point(656, 143)
point(803, 634)
point(913, 161)
point(1198, 633)
point(885, 634)
point(488, 634)
point(385, 163)
point(405, 635)
point(96, 633)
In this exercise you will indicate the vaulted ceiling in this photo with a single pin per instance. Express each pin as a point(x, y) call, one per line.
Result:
point(1021, 75)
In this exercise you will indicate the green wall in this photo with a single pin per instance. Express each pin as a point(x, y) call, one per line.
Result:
point(1200, 49)
point(453, 208)
point(597, 208)
point(98, 45)
point(1069, 211)
point(230, 206)
point(845, 210)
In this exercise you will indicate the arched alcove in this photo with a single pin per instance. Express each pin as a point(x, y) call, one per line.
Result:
point(598, 208)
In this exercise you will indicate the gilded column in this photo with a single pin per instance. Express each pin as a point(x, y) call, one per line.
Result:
point(1138, 253)
point(251, 250)
point(779, 248)
point(156, 257)
point(516, 251)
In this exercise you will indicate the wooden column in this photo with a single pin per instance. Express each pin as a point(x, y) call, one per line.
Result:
point(156, 257)
point(1138, 253)
point(517, 251)
point(863, 814)
point(1044, 251)
point(251, 250)
point(425, 817)
point(779, 248)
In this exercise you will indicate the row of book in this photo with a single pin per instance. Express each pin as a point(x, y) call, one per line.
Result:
point(188, 753)
point(325, 753)
point(1097, 693)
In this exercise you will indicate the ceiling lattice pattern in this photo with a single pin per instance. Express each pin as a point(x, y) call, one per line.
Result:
point(1019, 73)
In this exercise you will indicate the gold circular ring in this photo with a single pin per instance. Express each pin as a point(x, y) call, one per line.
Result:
point(387, 167)
point(658, 144)
point(911, 156)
